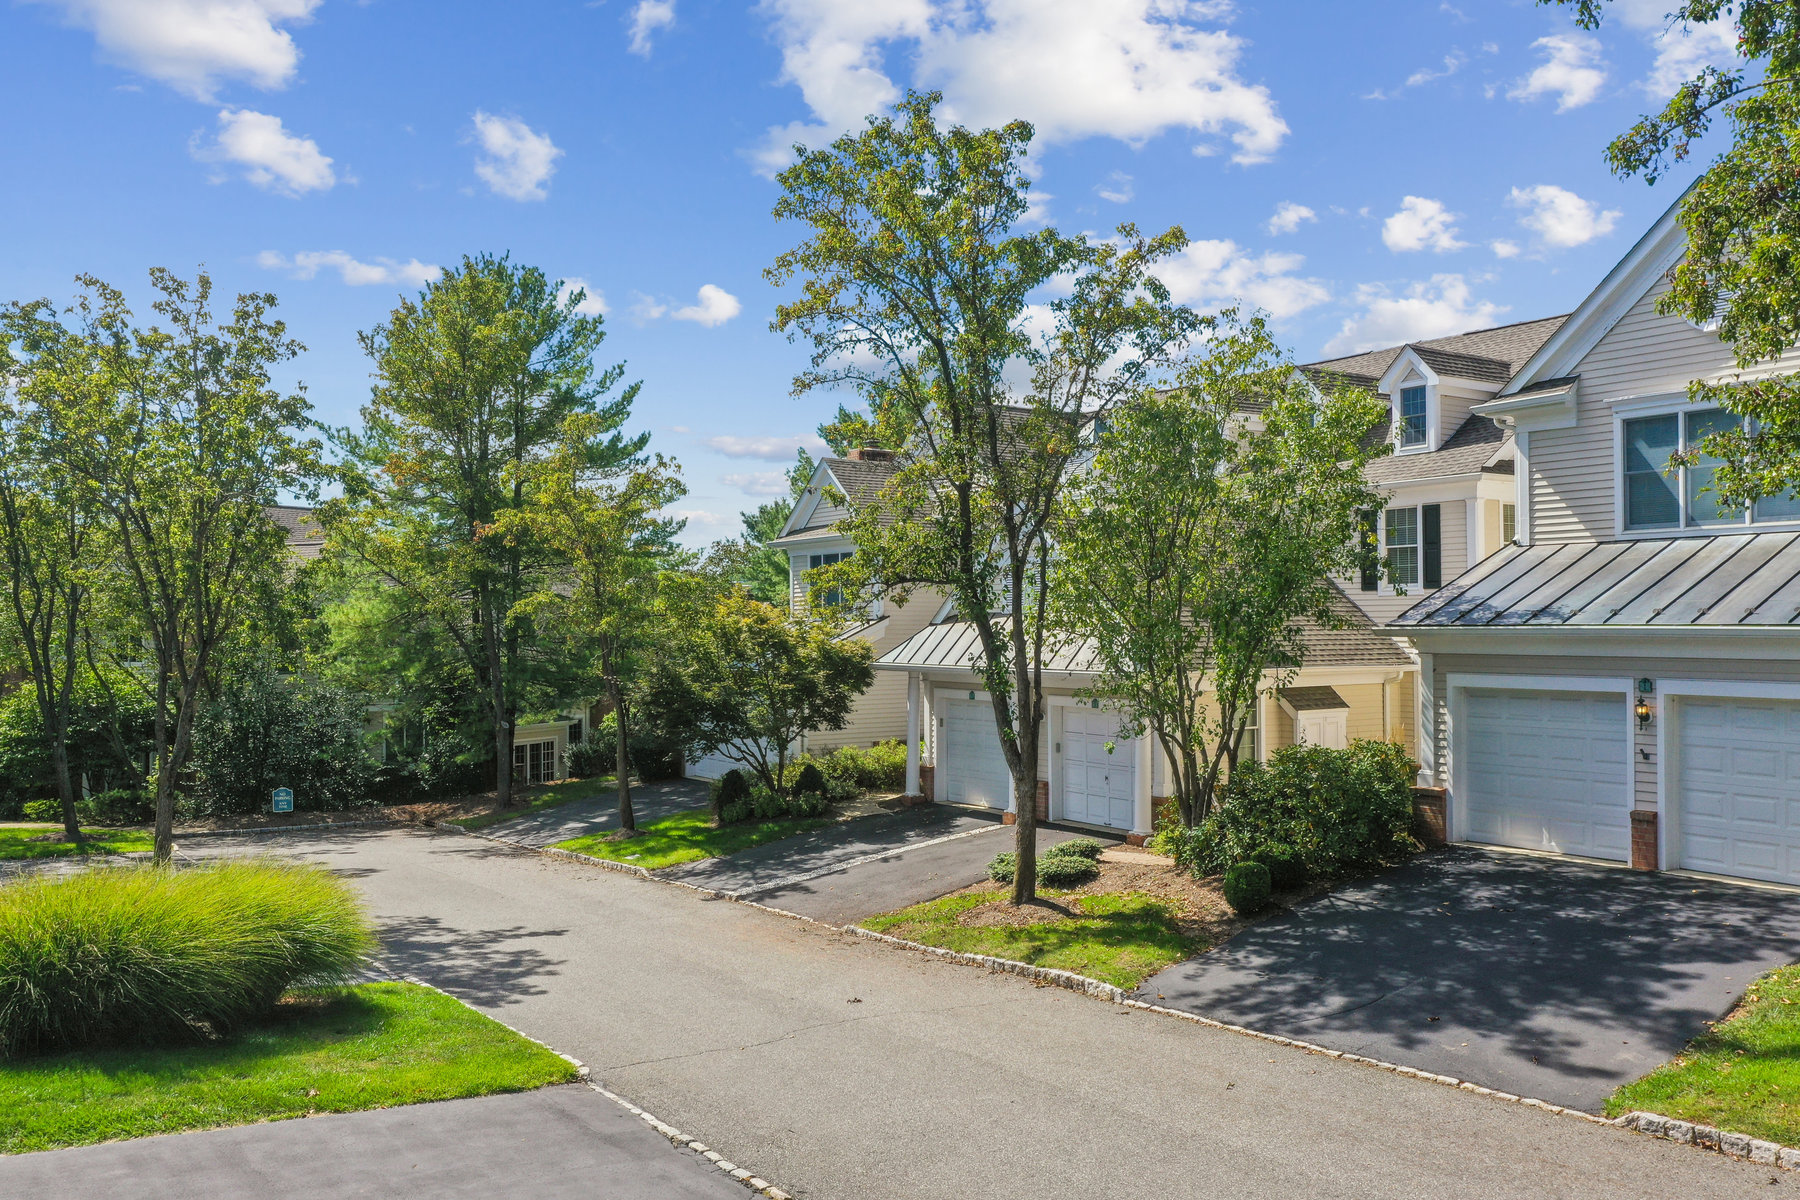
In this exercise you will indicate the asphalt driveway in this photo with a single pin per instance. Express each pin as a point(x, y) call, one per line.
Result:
point(1544, 978)
point(908, 872)
point(555, 1142)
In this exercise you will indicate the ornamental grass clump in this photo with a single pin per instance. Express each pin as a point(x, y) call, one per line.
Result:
point(145, 954)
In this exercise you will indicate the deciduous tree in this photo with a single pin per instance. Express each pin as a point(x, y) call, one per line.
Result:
point(1204, 533)
point(919, 290)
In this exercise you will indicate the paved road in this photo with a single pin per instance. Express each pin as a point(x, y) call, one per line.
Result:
point(1534, 976)
point(555, 1143)
point(845, 1070)
point(907, 876)
point(578, 818)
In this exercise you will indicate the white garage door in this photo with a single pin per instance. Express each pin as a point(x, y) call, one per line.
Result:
point(1546, 771)
point(970, 766)
point(1098, 769)
point(1738, 808)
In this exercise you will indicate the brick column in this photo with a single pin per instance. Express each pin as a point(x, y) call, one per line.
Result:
point(1644, 856)
point(1043, 800)
point(1430, 824)
point(927, 780)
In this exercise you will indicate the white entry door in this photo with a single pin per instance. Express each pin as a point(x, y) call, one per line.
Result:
point(1327, 727)
point(1545, 770)
point(971, 769)
point(1098, 769)
point(1738, 804)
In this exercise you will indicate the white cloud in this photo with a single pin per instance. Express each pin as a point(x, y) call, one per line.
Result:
point(1217, 274)
point(1681, 50)
point(1453, 62)
point(1290, 216)
point(517, 161)
point(770, 449)
point(1503, 248)
point(1437, 307)
point(703, 518)
point(352, 271)
point(270, 156)
point(1572, 71)
point(648, 17)
point(192, 45)
point(1037, 207)
point(593, 303)
point(1127, 69)
point(1559, 217)
point(757, 483)
point(714, 307)
point(1421, 224)
point(1117, 188)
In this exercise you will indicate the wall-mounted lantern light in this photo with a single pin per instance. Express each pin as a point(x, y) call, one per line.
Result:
point(1645, 689)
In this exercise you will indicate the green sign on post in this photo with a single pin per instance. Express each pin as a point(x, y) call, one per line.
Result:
point(283, 800)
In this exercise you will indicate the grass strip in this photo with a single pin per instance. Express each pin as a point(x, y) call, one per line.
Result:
point(687, 837)
point(322, 1051)
point(1743, 1076)
point(16, 842)
point(548, 797)
point(1121, 938)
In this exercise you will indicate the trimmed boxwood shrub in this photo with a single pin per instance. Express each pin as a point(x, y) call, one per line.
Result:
point(147, 954)
point(1339, 811)
point(809, 779)
point(1066, 864)
point(1247, 887)
point(1286, 869)
point(1004, 866)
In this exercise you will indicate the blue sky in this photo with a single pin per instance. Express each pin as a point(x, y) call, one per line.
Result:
point(1367, 173)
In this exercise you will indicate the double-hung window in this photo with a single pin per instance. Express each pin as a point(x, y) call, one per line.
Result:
point(1412, 416)
point(834, 597)
point(1402, 543)
point(1659, 496)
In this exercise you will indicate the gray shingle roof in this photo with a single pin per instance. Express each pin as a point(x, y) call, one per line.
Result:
point(305, 537)
point(1312, 699)
point(1680, 582)
point(1510, 344)
point(1463, 452)
point(1465, 366)
point(861, 479)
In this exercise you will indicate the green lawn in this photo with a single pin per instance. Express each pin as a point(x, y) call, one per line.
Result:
point(372, 1046)
point(687, 836)
point(1120, 937)
point(547, 797)
point(15, 842)
point(1744, 1076)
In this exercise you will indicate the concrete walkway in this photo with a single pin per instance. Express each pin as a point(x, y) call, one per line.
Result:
point(555, 1143)
point(841, 1069)
point(1541, 977)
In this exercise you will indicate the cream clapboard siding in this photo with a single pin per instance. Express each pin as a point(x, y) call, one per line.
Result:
point(1382, 606)
point(1573, 489)
point(880, 712)
point(1368, 718)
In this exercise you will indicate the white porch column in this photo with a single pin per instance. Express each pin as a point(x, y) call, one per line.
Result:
point(1142, 812)
point(1425, 706)
point(912, 733)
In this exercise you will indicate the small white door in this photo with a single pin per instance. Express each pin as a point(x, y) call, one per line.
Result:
point(1098, 769)
point(1327, 727)
point(971, 768)
point(1545, 771)
point(1738, 804)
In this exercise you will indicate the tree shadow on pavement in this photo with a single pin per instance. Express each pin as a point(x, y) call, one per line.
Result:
point(483, 966)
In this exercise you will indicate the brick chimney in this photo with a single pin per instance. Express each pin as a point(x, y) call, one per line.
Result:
point(870, 454)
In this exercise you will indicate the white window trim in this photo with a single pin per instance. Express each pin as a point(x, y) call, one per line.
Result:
point(1632, 408)
point(1384, 585)
point(1430, 441)
point(1457, 685)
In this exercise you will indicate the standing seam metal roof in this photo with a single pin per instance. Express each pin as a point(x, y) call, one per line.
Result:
point(1727, 579)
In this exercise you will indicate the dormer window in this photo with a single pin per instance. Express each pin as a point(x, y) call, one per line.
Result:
point(1412, 416)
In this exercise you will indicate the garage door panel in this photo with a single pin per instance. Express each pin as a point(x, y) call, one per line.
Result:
point(1546, 771)
point(1098, 785)
point(1737, 793)
point(971, 763)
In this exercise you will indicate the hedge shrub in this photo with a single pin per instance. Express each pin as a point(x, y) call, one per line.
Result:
point(1339, 811)
point(121, 807)
point(146, 954)
point(1247, 887)
point(1066, 864)
point(877, 768)
point(1287, 870)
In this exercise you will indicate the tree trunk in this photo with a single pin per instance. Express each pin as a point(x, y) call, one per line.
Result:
point(65, 787)
point(503, 728)
point(622, 761)
point(165, 780)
